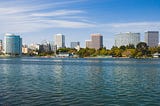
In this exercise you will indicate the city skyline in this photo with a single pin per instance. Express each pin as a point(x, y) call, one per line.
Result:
point(121, 39)
point(37, 20)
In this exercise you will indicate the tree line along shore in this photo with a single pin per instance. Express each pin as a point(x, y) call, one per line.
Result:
point(130, 51)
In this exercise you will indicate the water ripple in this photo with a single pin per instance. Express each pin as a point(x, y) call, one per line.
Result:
point(79, 82)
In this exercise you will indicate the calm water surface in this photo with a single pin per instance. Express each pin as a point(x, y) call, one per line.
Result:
point(79, 82)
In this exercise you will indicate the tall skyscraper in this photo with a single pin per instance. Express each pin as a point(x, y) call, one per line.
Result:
point(12, 44)
point(152, 38)
point(75, 44)
point(59, 41)
point(95, 42)
point(124, 39)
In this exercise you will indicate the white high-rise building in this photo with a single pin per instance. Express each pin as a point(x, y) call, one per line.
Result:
point(59, 41)
point(152, 38)
point(124, 39)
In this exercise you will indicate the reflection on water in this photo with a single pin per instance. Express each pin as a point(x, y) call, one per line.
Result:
point(84, 82)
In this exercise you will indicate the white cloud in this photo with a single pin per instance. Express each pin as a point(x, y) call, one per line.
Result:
point(24, 17)
point(31, 15)
point(70, 24)
point(130, 27)
point(59, 13)
point(21, 6)
point(136, 24)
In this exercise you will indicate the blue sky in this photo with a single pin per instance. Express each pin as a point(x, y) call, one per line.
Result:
point(38, 20)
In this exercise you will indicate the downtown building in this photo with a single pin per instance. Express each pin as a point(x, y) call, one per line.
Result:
point(1, 46)
point(74, 44)
point(25, 49)
point(152, 38)
point(45, 47)
point(88, 44)
point(124, 39)
point(96, 41)
point(12, 45)
point(59, 41)
point(34, 48)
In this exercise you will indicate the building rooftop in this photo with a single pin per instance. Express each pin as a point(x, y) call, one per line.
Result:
point(9, 34)
point(96, 34)
point(59, 34)
point(152, 31)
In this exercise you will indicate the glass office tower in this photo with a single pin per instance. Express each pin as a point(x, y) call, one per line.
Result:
point(12, 44)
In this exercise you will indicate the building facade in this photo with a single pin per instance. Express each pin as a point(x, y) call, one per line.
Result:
point(75, 44)
point(1, 46)
point(88, 44)
point(152, 38)
point(34, 48)
point(24, 49)
point(124, 39)
point(12, 44)
point(59, 41)
point(45, 47)
point(96, 41)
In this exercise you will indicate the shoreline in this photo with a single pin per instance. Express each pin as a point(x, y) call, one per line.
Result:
point(102, 57)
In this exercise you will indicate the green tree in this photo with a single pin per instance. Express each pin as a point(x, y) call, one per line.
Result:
point(142, 49)
point(122, 47)
point(158, 49)
point(86, 52)
point(116, 52)
point(153, 50)
point(130, 46)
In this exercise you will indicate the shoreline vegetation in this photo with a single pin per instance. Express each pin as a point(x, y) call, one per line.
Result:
point(129, 51)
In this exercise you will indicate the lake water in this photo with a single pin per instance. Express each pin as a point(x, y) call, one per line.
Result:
point(79, 82)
